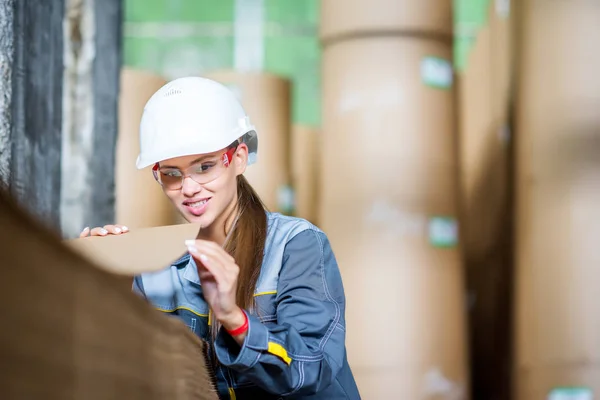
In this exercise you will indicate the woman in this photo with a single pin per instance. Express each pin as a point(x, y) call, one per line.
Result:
point(264, 289)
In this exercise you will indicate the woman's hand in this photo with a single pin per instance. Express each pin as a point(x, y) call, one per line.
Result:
point(103, 231)
point(218, 274)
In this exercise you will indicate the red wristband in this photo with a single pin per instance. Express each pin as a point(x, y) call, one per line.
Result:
point(241, 329)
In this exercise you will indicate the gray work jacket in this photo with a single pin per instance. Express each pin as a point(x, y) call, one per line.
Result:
point(295, 345)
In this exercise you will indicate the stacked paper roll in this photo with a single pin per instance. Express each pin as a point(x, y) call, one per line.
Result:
point(140, 201)
point(266, 99)
point(388, 197)
point(356, 18)
point(558, 187)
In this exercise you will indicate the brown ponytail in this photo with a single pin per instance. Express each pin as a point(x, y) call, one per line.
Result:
point(246, 244)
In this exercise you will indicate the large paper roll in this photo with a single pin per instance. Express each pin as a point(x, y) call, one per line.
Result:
point(389, 206)
point(140, 200)
point(266, 99)
point(558, 187)
point(341, 18)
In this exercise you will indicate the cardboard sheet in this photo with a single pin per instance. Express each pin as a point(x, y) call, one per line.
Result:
point(72, 331)
point(140, 250)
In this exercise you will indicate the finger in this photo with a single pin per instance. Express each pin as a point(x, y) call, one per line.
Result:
point(123, 228)
point(205, 274)
point(209, 264)
point(213, 270)
point(85, 232)
point(217, 257)
point(99, 232)
point(113, 229)
point(214, 250)
point(228, 270)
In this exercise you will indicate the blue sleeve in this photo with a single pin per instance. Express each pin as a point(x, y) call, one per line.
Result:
point(138, 286)
point(303, 353)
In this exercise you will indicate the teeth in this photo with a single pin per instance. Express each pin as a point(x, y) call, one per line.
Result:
point(197, 204)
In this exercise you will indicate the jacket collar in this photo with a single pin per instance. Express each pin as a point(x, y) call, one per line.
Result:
point(190, 270)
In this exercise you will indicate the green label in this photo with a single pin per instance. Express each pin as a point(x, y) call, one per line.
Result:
point(443, 231)
point(469, 17)
point(571, 393)
point(436, 72)
point(286, 199)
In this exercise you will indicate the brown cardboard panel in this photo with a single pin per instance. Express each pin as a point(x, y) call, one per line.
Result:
point(140, 250)
point(305, 157)
point(139, 200)
point(356, 17)
point(548, 382)
point(72, 331)
point(266, 99)
point(558, 183)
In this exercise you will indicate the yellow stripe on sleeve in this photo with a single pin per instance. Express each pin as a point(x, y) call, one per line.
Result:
point(279, 351)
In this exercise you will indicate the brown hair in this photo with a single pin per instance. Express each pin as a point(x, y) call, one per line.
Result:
point(246, 244)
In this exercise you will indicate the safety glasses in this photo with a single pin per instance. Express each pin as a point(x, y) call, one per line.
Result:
point(206, 170)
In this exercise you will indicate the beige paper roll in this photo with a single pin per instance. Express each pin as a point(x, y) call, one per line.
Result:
point(140, 201)
point(266, 99)
point(558, 187)
point(388, 173)
point(358, 17)
point(305, 171)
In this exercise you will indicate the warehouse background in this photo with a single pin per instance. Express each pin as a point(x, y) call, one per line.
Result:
point(449, 149)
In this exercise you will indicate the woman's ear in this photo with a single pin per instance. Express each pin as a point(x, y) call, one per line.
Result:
point(240, 158)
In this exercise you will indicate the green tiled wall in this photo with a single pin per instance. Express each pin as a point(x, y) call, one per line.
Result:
point(180, 37)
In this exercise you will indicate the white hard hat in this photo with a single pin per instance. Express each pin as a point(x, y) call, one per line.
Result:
point(192, 115)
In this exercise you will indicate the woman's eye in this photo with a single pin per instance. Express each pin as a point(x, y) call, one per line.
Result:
point(205, 167)
point(171, 173)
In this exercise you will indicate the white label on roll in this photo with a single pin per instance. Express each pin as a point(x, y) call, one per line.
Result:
point(436, 72)
point(286, 199)
point(395, 222)
point(435, 384)
point(503, 8)
point(571, 393)
point(443, 232)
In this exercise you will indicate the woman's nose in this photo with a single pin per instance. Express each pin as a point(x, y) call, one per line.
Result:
point(190, 187)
